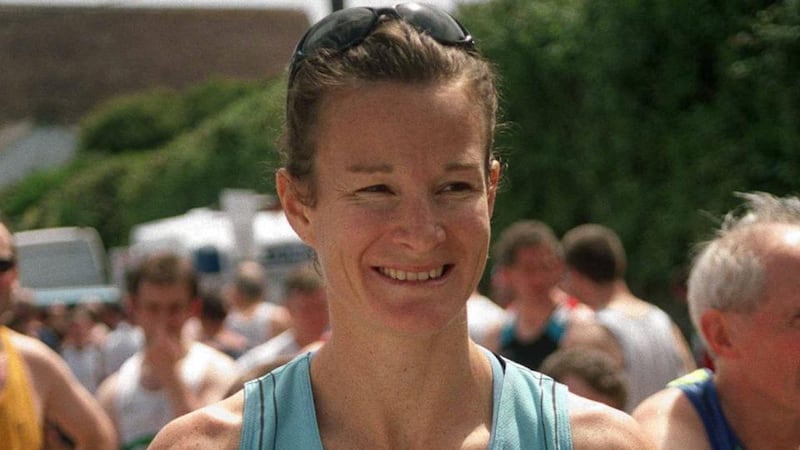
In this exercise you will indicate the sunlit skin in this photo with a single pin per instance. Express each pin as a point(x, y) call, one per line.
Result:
point(56, 395)
point(8, 279)
point(535, 272)
point(764, 351)
point(162, 308)
point(757, 360)
point(402, 191)
point(400, 223)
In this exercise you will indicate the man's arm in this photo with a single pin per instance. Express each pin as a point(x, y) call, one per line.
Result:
point(670, 420)
point(65, 402)
point(219, 378)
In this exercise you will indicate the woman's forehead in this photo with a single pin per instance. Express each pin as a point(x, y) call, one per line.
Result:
point(390, 115)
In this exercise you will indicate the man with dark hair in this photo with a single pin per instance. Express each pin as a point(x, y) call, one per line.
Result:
point(170, 376)
point(36, 386)
point(542, 317)
point(650, 345)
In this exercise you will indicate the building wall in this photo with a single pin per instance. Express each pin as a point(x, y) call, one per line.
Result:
point(56, 63)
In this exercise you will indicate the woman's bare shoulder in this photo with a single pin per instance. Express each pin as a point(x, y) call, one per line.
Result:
point(597, 426)
point(216, 426)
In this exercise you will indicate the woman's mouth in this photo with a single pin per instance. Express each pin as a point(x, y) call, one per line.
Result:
point(405, 275)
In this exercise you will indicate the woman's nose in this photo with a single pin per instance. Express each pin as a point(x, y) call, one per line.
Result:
point(419, 226)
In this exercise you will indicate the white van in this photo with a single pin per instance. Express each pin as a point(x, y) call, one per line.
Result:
point(64, 265)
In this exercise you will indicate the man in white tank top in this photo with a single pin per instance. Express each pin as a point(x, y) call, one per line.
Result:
point(647, 343)
point(170, 376)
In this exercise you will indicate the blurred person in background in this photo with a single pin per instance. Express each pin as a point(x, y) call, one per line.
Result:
point(36, 386)
point(170, 376)
point(210, 329)
point(250, 314)
point(590, 373)
point(305, 300)
point(650, 346)
point(483, 317)
point(744, 299)
point(543, 318)
point(122, 341)
point(81, 350)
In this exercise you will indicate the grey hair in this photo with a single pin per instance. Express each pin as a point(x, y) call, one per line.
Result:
point(729, 272)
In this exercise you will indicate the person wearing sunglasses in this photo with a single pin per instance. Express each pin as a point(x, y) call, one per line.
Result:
point(389, 175)
point(36, 385)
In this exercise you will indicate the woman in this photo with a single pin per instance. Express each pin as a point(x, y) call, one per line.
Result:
point(389, 176)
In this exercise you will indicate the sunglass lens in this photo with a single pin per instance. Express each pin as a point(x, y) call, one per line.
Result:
point(6, 265)
point(440, 25)
point(340, 30)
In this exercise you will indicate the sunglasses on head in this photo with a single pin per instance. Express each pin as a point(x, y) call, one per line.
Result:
point(7, 264)
point(346, 28)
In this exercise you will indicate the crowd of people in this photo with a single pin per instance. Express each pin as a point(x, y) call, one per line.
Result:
point(389, 175)
point(111, 375)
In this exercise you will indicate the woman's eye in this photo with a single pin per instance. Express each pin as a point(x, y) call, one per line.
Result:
point(457, 187)
point(378, 188)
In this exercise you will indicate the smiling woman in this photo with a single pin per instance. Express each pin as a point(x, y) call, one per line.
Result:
point(389, 175)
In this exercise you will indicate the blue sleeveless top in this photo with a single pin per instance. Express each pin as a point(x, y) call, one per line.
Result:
point(530, 409)
point(698, 387)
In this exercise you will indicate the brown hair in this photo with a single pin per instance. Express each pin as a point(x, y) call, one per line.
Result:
point(596, 252)
point(522, 234)
point(163, 268)
point(595, 367)
point(394, 52)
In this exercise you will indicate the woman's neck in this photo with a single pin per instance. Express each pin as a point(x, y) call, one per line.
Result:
point(395, 387)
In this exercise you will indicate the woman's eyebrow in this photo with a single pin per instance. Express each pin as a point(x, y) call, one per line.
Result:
point(462, 166)
point(388, 168)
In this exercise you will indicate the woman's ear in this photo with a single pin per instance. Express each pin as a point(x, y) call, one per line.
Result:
point(294, 205)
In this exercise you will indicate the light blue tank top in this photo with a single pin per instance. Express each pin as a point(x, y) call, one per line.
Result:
point(529, 412)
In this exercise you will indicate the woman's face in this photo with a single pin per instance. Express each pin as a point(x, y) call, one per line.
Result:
point(401, 218)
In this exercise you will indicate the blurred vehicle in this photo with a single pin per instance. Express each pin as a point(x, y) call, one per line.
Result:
point(248, 226)
point(66, 265)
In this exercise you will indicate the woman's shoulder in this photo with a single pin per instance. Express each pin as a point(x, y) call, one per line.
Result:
point(215, 426)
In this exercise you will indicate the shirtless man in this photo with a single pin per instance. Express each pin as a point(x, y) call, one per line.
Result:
point(36, 386)
point(170, 376)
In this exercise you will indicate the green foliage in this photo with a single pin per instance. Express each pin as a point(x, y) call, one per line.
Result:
point(232, 149)
point(135, 122)
point(644, 115)
point(150, 119)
